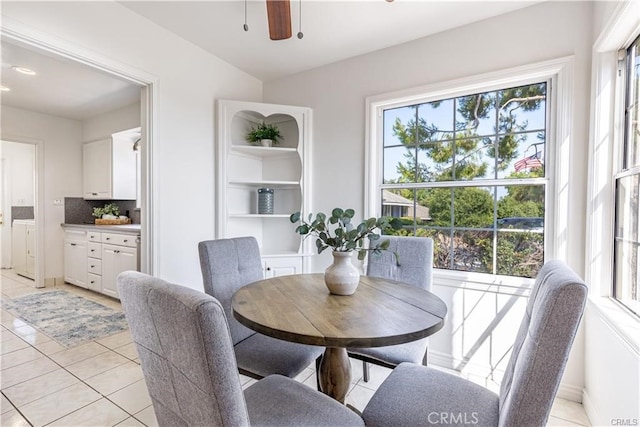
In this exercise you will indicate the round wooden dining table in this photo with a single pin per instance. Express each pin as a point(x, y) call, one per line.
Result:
point(299, 308)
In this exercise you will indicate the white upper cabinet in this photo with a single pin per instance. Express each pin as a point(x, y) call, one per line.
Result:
point(109, 169)
point(244, 168)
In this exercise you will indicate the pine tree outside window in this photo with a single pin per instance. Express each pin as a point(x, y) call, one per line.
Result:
point(469, 171)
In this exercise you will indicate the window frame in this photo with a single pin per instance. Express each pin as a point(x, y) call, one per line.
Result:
point(480, 183)
point(558, 74)
point(606, 133)
point(621, 168)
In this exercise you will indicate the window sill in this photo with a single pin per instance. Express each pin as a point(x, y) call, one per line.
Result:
point(624, 323)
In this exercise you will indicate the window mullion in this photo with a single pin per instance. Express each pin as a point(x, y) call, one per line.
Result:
point(453, 192)
point(478, 183)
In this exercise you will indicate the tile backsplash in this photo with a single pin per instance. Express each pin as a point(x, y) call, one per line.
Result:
point(22, 212)
point(80, 211)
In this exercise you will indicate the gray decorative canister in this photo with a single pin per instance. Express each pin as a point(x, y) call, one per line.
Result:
point(265, 201)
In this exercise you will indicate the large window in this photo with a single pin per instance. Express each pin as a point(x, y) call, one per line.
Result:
point(627, 229)
point(469, 171)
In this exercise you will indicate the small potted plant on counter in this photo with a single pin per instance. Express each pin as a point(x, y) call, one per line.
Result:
point(109, 214)
point(265, 134)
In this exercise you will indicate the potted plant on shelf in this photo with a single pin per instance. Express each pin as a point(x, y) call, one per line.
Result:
point(265, 134)
point(342, 277)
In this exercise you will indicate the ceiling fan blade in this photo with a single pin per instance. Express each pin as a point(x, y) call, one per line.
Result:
point(279, 14)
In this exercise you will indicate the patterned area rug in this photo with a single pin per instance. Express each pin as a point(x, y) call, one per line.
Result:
point(69, 319)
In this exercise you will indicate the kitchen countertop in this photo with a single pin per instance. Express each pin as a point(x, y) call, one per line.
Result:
point(125, 228)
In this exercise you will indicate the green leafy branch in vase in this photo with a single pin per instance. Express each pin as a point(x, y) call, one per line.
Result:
point(346, 237)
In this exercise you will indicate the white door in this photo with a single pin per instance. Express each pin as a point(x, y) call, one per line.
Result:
point(5, 217)
point(96, 169)
point(31, 251)
point(19, 247)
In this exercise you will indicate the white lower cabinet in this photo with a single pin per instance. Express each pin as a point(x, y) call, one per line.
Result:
point(23, 251)
point(75, 258)
point(281, 266)
point(93, 260)
point(115, 260)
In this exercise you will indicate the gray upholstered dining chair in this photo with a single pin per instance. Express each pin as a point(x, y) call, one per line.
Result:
point(413, 266)
point(414, 394)
point(227, 265)
point(187, 358)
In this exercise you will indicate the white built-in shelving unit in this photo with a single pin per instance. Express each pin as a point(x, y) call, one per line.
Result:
point(244, 168)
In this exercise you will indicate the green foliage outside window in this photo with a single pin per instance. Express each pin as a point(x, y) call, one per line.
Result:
point(477, 225)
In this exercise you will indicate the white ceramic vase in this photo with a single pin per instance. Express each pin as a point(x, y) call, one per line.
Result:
point(266, 142)
point(342, 277)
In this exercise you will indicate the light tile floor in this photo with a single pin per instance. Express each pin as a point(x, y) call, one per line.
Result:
point(100, 383)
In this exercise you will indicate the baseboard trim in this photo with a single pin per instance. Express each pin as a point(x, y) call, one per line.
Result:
point(592, 412)
point(53, 281)
point(570, 392)
point(440, 359)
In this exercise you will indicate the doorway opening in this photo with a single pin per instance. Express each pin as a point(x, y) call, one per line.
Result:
point(17, 214)
point(49, 194)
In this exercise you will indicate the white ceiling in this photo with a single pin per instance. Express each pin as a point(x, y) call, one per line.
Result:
point(61, 87)
point(333, 30)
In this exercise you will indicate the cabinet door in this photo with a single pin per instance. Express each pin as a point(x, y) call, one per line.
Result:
point(115, 260)
point(94, 282)
point(96, 169)
point(75, 262)
point(282, 266)
point(19, 248)
point(31, 251)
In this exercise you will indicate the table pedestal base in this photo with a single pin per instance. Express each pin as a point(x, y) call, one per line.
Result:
point(335, 373)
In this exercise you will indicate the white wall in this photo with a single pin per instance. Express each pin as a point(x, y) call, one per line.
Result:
point(337, 94)
point(104, 125)
point(612, 335)
point(188, 80)
point(60, 140)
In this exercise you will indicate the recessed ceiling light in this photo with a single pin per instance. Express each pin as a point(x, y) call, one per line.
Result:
point(4, 88)
point(24, 70)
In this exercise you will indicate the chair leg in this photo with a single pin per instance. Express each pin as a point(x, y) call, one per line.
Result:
point(365, 371)
point(318, 359)
point(425, 357)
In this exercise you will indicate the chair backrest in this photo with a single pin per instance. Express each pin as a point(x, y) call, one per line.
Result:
point(413, 266)
point(542, 346)
point(185, 350)
point(227, 265)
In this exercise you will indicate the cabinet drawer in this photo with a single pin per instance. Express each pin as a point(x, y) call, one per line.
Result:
point(93, 236)
point(75, 235)
point(94, 266)
point(94, 282)
point(94, 250)
point(96, 195)
point(130, 240)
